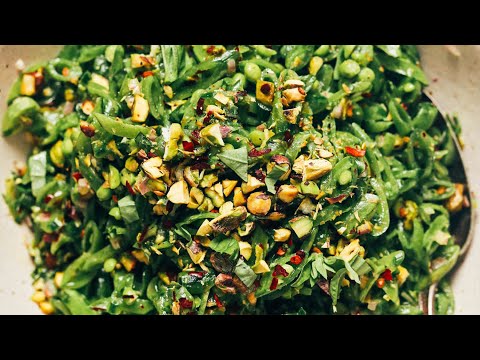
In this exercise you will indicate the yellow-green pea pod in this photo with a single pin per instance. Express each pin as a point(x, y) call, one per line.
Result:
point(113, 177)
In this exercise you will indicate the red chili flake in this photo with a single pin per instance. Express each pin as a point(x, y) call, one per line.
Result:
point(49, 238)
point(198, 274)
point(188, 146)
point(217, 300)
point(129, 188)
point(77, 175)
point(265, 89)
point(200, 166)
point(295, 259)
point(387, 275)
point(300, 253)
point(48, 198)
point(50, 261)
point(279, 270)
point(200, 103)
point(211, 49)
point(82, 233)
point(142, 234)
point(256, 153)
point(215, 211)
point(404, 106)
point(287, 136)
point(381, 282)
point(168, 224)
point(185, 304)
point(274, 284)
point(115, 198)
point(354, 152)
point(290, 242)
point(260, 175)
point(281, 251)
point(336, 199)
point(237, 49)
point(151, 154)
point(224, 131)
point(147, 74)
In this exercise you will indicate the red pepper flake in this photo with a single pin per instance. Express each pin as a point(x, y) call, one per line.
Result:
point(404, 106)
point(217, 300)
point(65, 71)
point(200, 166)
point(290, 242)
point(300, 253)
point(49, 238)
point(147, 74)
point(224, 131)
point(188, 146)
point(256, 153)
point(211, 49)
point(354, 152)
point(115, 198)
point(215, 211)
point(260, 175)
point(387, 275)
point(288, 137)
point(129, 188)
point(200, 103)
point(279, 270)
point(77, 175)
point(142, 234)
point(50, 261)
point(198, 274)
point(281, 251)
point(336, 199)
point(265, 89)
point(380, 283)
point(48, 198)
point(274, 284)
point(185, 304)
point(296, 260)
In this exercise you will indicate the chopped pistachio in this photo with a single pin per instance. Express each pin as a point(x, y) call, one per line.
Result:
point(281, 235)
point(27, 86)
point(196, 198)
point(261, 267)
point(226, 208)
point(205, 229)
point(208, 180)
point(238, 197)
point(140, 109)
point(259, 203)
point(178, 193)
point(212, 135)
point(216, 111)
point(228, 186)
point(245, 249)
point(265, 91)
point(229, 221)
point(152, 167)
point(251, 184)
point(287, 193)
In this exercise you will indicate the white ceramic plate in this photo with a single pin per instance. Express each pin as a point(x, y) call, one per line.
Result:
point(456, 88)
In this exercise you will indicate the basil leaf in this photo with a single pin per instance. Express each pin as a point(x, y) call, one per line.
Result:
point(245, 273)
point(272, 178)
point(228, 246)
point(237, 160)
point(128, 210)
point(38, 170)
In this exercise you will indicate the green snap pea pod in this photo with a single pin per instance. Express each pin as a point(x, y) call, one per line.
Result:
point(117, 62)
point(119, 128)
point(277, 118)
point(401, 119)
point(21, 106)
point(363, 210)
point(76, 303)
point(299, 57)
point(90, 174)
point(74, 70)
point(426, 145)
point(171, 58)
point(262, 50)
point(425, 117)
point(402, 66)
point(90, 53)
point(153, 92)
point(216, 69)
point(430, 190)
point(93, 236)
point(381, 219)
point(262, 63)
point(386, 143)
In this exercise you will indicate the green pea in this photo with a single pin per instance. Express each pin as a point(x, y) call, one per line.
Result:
point(345, 177)
point(109, 265)
point(349, 69)
point(366, 74)
point(252, 72)
point(408, 87)
point(322, 50)
point(257, 137)
point(104, 193)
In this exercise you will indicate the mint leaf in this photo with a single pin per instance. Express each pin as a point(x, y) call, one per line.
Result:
point(272, 178)
point(245, 273)
point(237, 160)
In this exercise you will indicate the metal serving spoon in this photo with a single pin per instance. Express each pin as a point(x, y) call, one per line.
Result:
point(462, 222)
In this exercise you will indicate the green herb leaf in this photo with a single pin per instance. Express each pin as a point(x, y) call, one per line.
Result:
point(245, 273)
point(237, 160)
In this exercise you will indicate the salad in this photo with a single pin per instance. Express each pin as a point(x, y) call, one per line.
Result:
point(216, 179)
